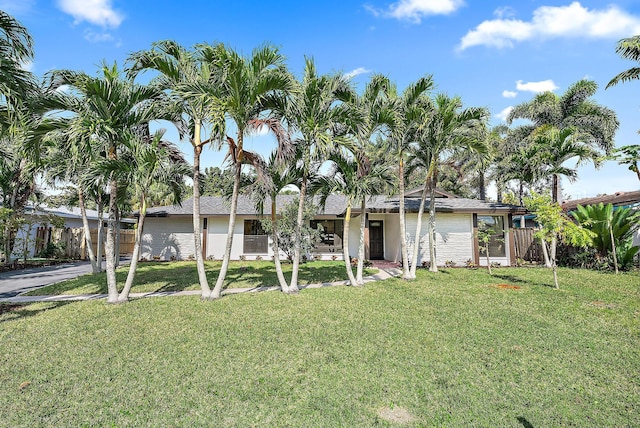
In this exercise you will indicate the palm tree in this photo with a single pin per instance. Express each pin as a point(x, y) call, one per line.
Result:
point(195, 87)
point(69, 159)
point(115, 108)
point(409, 112)
point(317, 113)
point(356, 178)
point(447, 129)
point(149, 160)
point(374, 107)
point(593, 124)
point(628, 48)
point(276, 175)
point(254, 90)
point(16, 47)
point(551, 148)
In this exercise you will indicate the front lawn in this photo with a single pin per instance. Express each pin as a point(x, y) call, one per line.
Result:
point(178, 276)
point(457, 348)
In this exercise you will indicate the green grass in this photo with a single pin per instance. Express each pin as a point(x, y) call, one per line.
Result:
point(178, 276)
point(450, 349)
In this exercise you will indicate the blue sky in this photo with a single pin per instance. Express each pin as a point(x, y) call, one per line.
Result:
point(492, 53)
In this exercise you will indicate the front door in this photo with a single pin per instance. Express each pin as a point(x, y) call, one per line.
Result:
point(376, 240)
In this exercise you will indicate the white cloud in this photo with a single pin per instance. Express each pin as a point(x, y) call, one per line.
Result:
point(504, 113)
point(97, 37)
point(357, 71)
point(98, 12)
point(509, 94)
point(536, 87)
point(415, 10)
point(573, 20)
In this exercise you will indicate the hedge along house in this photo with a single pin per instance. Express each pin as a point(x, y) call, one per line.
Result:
point(168, 232)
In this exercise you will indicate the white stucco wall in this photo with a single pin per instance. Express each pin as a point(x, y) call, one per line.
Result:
point(166, 237)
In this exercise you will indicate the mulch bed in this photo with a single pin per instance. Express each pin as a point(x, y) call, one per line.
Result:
point(29, 265)
point(9, 307)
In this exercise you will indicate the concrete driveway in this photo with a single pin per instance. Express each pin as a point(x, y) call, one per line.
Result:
point(14, 282)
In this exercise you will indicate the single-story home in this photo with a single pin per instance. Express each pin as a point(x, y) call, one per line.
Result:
point(168, 231)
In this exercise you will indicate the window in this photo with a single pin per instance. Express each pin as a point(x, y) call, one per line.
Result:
point(497, 241)
point(332, 231)
point(256, 240)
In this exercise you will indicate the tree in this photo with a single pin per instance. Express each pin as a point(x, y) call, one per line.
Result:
point(194, 82)
point(276, 175)
point(446, 128)
point(551, 148)
point(316, 114)
point(593, 124)
point(115, 108)
point(149, 160)
point(355, 178)
point(554, 226)
point(254, 90)
point(374, 107)
point(409, 115)
point(628, 48)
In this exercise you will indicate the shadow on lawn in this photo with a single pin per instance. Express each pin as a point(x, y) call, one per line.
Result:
point(524, 422)
point(516, 280)
point(15, 311)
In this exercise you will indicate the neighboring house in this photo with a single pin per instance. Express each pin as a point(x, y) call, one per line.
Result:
point(41, 216)
point(168, 231)
point(618, 200)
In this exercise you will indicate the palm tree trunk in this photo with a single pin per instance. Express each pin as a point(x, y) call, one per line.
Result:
point(217, 290)
point(100, 238)
point(276, 248)
point(117, 237)
point(112, 288)
point(433, 265)
point(297, 242)
point(361, 255)
point(87, 232)
point(416, 242)
point(554, 189)
point(406, 274)
point(345, 245)
point(202, 275)
point(482, 189)
point(124, 295)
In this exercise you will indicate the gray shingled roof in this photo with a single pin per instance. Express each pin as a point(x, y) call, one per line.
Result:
point(335, 205)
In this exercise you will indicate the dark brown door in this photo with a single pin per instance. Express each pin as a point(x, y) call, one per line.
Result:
point(376, 240)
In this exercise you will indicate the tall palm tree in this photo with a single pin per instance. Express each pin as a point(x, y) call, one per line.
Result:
point(115, 108)
point(276, 175)
point(375, 108)
point(593, 124)
point(409, 112)
point(447, 128)
point(195, 90)
point(317, 114)
point(352, 175)
point(628, 48)
point(70, 157)
point(149, 160)
point(255, 90)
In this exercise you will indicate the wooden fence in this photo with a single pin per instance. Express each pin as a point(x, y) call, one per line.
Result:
point(527, 247)
point(73, 243)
